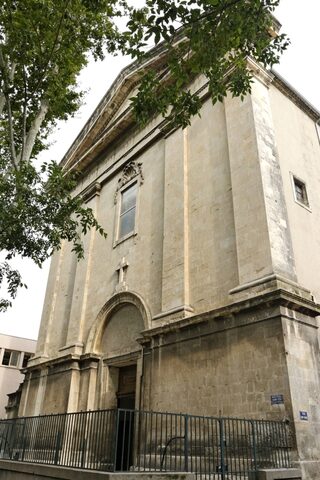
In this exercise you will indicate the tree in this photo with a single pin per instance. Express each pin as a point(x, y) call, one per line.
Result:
point(44, 44)
point(215, 38)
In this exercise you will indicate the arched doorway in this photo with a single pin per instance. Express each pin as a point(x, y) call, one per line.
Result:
point(113, 337)
point(120, 371)
point(120, 353)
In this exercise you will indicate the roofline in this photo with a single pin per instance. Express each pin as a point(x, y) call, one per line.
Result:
point(128, 78)
point(156, 52)
point(20, 338)
point(295, 96)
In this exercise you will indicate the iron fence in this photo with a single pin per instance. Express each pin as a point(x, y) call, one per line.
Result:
point(129, 440)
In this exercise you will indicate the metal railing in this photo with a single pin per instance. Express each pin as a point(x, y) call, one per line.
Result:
point(128, 440)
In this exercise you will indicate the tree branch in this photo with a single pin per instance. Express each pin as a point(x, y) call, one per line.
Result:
point(2, 102)
point(53, 47)
point(2, 95)
point(24, 119)
point(12, 72)
point(34, 130)
point(6, 76)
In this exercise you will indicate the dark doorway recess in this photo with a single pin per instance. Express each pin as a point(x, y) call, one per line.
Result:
point(126, 396)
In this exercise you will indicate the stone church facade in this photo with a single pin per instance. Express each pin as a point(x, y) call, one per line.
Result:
point(203, 297)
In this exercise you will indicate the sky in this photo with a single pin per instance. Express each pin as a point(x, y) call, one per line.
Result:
point(299, 66)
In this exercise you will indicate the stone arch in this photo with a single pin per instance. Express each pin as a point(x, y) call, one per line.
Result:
point(114, 304)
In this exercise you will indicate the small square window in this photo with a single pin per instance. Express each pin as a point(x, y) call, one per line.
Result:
point(300, 192)
point(128, 211)
point(10, 358)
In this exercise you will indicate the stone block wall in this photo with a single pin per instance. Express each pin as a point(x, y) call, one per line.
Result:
point(227, 367)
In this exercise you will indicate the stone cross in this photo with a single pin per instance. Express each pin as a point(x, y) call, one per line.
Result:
point(122, 270)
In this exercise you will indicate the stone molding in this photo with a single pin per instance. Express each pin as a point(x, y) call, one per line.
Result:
point(92, 139)
point(91, 191)
point(63, 364)
point(268, 282)
point(163, 129)
point(34, 361)
point(108, 107)
point(184, 310)
point(113, 304)
point(284, 87)
point(122, 360)
point(259, 72)
point(130, 171)
point(275, 304)
point(266, 306)
point(73, 348)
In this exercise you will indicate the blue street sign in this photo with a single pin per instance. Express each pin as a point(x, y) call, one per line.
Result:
point(303, 415)
point(277, 399)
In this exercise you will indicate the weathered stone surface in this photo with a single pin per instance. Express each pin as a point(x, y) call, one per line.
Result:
point(277, 474)
point(10, 470)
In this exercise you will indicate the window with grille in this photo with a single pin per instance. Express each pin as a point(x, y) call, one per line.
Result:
point(300, 192)
point(10, 358)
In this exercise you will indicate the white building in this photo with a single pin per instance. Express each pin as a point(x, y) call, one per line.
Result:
point(14, 355)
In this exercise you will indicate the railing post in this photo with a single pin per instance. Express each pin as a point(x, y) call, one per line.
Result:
point(83, 453)
point(254, 446)
point(116, 441)
point(186, 443)
point(58, 446)
point(11, 440)
point(222, 450)
point(5, 442)
point(23, 439)
point(84, 439)
point(286, 427)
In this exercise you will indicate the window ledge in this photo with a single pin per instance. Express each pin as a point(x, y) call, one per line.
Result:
point(11, 366)
point(123, 239)
point(303, 205)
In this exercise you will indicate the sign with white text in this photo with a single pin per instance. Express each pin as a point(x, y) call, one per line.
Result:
point(277, 399)
point(304, 416)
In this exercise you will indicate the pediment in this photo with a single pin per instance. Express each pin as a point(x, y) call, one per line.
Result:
point(113, 114)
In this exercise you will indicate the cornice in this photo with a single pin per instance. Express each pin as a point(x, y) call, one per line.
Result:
point(277, 298)
point(91, 191)
point(289, 91)
point(64, 361)
point(259, 72)
point(104, 126)
point(100, 121)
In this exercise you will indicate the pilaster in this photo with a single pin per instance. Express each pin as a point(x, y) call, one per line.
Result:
point(275, 206)
point(41, 392)
point(175, 268)
point(49, 308)
point(263, 239)
point(74, 340)
point(24, 395)
point(74, 391)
